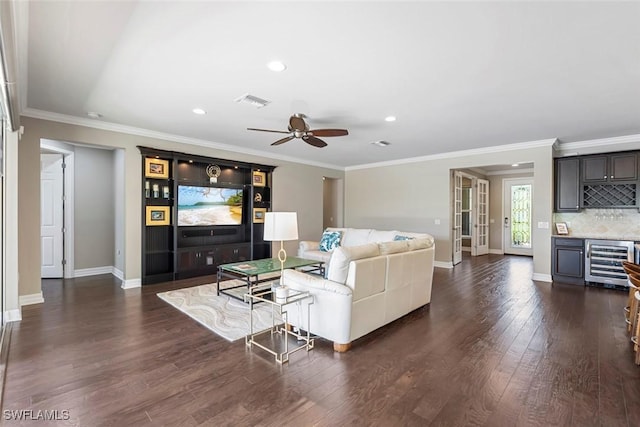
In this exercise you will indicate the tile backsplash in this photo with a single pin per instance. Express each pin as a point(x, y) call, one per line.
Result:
point(616, 224)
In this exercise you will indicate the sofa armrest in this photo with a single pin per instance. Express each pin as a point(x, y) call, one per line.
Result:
point(308, 245)
point(306, 282)
point(330, 313)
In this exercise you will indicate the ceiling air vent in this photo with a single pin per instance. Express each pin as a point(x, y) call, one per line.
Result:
point(253, 100)
point(381, 143)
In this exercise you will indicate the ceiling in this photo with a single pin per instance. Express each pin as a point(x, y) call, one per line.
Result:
point(456, 75)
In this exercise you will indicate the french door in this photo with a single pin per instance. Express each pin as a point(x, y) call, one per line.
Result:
point(517, 227)
point(480, 237)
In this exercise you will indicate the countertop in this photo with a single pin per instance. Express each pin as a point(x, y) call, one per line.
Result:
point(598, 237)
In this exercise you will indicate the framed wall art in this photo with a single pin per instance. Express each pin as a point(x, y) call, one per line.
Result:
point(158, 215)
point(561, 228)
point(258, 214)
point(259, 179)
point(156, 168)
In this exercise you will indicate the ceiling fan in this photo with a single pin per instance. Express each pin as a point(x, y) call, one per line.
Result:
point(298, 128)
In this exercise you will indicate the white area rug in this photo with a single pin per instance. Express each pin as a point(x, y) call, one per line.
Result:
point(225, 316)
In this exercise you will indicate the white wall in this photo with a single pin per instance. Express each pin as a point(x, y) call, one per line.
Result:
point(414, 196)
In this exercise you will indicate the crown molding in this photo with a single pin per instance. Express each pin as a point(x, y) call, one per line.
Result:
point(573, 147)
point(510, 172)
point(131, 130)
point(461, 153)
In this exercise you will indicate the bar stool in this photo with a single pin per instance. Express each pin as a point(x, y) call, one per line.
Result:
point(631, 269)
point(635, 335)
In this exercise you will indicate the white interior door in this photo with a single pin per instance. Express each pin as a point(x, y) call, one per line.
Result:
point(480, 245)
point(518, 196)
point(51, 215)
point(457, 217)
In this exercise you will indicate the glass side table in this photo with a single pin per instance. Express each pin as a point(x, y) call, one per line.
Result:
point(275, 339)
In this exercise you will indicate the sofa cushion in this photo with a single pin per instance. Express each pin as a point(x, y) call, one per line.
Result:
point(343, 255)
point(330, 240)
point(356, 237)
point(420, 243)
point(378, 236)
point(387, 248)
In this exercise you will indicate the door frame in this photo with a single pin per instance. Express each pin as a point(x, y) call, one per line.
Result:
point(505, 182)
point(68, 192)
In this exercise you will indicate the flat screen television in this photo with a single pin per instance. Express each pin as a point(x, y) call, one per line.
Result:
point(209, 206)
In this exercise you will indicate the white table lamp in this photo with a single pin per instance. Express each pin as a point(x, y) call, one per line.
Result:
point(281, 226)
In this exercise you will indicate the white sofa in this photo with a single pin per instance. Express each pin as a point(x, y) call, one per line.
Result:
point(371, 280)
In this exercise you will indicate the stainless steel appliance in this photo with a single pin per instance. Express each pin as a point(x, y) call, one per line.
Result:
point(603, 261)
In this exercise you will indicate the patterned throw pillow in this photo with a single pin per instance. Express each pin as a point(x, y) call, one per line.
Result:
point(400, 237)
point(330, 240)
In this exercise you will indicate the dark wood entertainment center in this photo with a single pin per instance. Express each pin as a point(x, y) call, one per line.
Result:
point(172, 251)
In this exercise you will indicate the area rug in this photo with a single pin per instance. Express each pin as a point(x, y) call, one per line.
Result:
point(223, 315)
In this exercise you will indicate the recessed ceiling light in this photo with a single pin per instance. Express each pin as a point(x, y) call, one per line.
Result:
point(515, 165)
point(276, 66)
point(381, 143)
point(390, 119)
point(94, 115)
point(199, 111)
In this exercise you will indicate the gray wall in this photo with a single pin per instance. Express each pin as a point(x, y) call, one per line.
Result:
point(94, 208)
point(332, 203)
point(413, 196)
point(118, 209)
point(296, 187)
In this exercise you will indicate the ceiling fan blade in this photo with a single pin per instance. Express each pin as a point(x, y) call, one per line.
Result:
point(269, 130)
point(297, 123)
point(312, 140)
point(329, 132)
point(283, 140)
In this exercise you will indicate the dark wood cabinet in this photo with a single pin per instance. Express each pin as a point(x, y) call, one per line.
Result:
point(610, 168)
point(205, 260)
point(567, 180)
point(568, 260)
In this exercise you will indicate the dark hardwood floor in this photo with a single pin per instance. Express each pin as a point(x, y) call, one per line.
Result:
point(492, 349)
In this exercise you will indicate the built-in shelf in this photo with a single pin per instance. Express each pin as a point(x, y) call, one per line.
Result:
point(174, 248)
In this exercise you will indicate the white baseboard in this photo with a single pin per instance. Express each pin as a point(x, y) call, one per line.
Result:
point(31, 299)
point(118, 273)
point(466, 249)
point(496, 251)
point(539, 277)
point(443, 264)
point(94, 271)
point(131, 283)
point(13, 315)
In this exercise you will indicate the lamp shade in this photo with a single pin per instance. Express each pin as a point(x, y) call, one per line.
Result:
point(280, 226)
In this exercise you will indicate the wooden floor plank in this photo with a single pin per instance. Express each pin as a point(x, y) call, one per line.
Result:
point(494, 348)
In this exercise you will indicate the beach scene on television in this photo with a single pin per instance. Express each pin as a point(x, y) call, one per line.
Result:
point(209, 206)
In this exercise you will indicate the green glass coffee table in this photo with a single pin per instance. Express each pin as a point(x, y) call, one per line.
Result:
point(257, 272)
